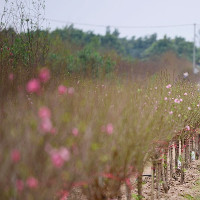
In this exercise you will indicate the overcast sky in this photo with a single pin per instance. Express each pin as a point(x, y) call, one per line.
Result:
point(129, 13)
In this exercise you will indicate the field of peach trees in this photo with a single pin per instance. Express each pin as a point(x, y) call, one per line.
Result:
point(83, 124)
point(95, 135)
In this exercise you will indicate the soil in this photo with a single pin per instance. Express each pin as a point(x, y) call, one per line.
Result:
point(190, 189)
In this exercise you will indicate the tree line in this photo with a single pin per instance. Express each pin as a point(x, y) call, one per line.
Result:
point(133, 48)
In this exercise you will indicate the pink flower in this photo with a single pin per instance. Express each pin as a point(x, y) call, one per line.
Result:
point(57, 160)
point(44, 113)
point(171, 112)
point(168, 86)
point(64, 153)
point(44, 75)
point(15, 156)
point(59, 157)
point(185, 94)
point(197, 105)
point(19, 185)
point(189, 108)
point(165, 98)
point(33, 86)
point(64, 195)
point(62, 89)
point(187, 128)
point(176, 101)
point(32, 182)
point(179, 115)
point(181, 100)
point(71, 90)
point(156, 88)
point(75, 131)
point(46, 125)
point(109, 129)
point(11, 76)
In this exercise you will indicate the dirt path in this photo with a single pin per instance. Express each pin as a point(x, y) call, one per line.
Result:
point(189, 190)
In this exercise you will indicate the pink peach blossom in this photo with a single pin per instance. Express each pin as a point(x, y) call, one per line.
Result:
point(187, 128)
point(64, 153)
point(109, 129)
point(64, 195)
point(46, 125)
point(165, 98)
point(71, 90)
point(44, 75)
point(176, 101)
point(168, 86)
point(62, 89)
point(171, 112)
point(75, 131)
point(59, 156)
point(57, 160)
point(32, 182)
point(44, 113)
point(15, 156)
point(33, 86)
point(185, 94)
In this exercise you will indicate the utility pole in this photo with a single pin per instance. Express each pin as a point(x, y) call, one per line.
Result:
point(194, 52)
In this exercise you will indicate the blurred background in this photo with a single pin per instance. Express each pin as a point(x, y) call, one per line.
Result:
point(137, 36)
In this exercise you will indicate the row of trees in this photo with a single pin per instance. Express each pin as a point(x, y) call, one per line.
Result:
point(76, 50)
point(141, 48)
point(24, 42)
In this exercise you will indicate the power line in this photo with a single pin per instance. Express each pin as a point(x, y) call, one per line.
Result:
point(120, 27)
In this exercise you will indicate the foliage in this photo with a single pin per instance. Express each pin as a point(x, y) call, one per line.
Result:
point(74, 128)
point(141, 48)
point(102, 137)
point(21, 35)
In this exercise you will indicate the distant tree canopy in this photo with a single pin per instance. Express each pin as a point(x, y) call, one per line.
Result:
point(85, 53)
point(140, 48)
